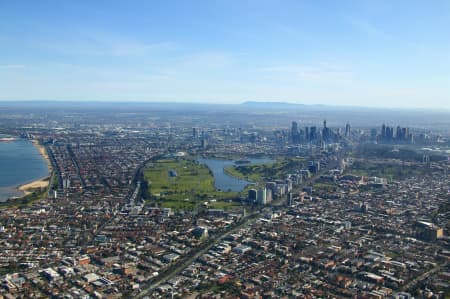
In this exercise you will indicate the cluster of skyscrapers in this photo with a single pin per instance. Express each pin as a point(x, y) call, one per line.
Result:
point(313, 134)
point(402, 135)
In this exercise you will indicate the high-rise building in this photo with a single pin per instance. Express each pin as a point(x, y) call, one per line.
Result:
point(294, 128)
point(405, 133)
point(314, 166)
point(252, 195)
point(262, 196)
point(387, 134)
point(288, 184)
point(66, 183)
point(268, 195)
point(313, 133)
point(295, 134)
point(204, 143)
point(289, 199)
point(347, 130)
point(402, 135)
point(325, 131)
point(399, 134)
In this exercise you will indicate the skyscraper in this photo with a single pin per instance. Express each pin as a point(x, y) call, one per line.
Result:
point(313, 133)
point(262, 196)
point(325, 131)
point(194, 132)
point(295, 135)
point(347, 130)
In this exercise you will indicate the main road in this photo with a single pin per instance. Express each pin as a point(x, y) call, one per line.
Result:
point(188, 260)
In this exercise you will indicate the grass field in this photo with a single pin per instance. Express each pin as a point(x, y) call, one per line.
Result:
point(389, 171)
point(183, 184)
point(267, 171)
point(324, 186)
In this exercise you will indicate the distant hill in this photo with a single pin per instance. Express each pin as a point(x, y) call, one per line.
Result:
point(267, 105)
point(271, 104)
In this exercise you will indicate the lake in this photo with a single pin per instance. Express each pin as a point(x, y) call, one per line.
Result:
point(20, 163)
point(222, 180)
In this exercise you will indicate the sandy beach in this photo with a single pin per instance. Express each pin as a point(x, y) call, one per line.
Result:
point(28, 188)
point(43, 153)
point(42, 182)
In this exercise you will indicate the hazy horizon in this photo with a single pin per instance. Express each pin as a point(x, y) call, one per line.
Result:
point(259, 103)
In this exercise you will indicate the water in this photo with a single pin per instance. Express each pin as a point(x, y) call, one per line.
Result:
point(223, 181)
point(20, 163)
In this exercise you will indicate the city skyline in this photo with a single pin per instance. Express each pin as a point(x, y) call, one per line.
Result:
point(351, 53)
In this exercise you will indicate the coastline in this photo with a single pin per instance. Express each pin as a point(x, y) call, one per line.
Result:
point(43, 182)
point(43, 151)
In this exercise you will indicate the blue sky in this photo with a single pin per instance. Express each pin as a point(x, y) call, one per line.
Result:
point(365, 53)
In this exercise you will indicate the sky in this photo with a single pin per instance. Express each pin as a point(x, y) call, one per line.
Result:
point(362, 53)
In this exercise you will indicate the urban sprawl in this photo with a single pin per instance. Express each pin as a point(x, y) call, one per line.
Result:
point(333, 211)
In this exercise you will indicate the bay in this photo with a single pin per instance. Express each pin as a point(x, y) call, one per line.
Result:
point(20, 163)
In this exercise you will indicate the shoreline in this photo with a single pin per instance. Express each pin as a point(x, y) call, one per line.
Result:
point(43, 152)
point(43, 182)
point(28, 188)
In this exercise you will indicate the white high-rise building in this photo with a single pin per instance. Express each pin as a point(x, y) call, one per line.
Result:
point(262, 196)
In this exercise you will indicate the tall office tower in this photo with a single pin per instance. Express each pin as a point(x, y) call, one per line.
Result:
point(383, 132)
point(325, 131)
point(289, 199)
point(313, 133)
point(410, 138)
point(252, 195)
point(204, 143)
point(307, 137)
point(301, 136)
point(388, 135)
point(398, 134)
point(294, 127)
point(405, 134)
point(347, 130)
point(288, 184)
point(268, 195)
point(391, 134)
point(294, 133)
point(194, 132)
point(262, 196)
